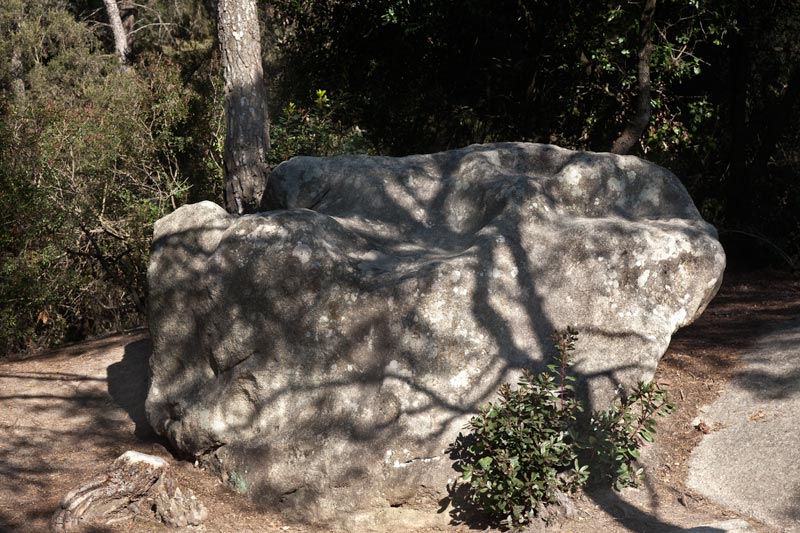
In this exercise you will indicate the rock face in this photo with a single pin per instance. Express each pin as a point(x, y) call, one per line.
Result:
point(325, 353)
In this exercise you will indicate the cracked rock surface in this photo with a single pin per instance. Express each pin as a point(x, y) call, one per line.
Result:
point(324, 353)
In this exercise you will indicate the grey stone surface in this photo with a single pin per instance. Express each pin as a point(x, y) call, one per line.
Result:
point(726, 526)
point(751, 462)
point(326, 353)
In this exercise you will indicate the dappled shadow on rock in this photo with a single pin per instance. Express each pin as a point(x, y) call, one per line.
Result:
point(458, 502)
point(384, 300)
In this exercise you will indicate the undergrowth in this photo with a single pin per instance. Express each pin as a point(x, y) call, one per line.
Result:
point(532, 444)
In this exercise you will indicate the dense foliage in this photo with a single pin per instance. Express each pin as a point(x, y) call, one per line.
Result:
point(531, 445)
point(88, 162)
point(424, 75)
point(91, 153)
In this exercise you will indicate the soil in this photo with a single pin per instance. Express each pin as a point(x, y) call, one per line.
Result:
point(65, 415)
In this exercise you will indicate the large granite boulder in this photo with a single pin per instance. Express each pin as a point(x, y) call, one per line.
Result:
point(325, 353)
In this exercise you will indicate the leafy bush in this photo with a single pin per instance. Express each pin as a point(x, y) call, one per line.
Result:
point(89, 162)
point(616, 434)
point(531, 444)
point(312, 130)
point(92, 154)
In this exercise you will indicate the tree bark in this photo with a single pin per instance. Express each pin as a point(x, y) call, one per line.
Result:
point(247, 121)
point(136, 486)
point(120, 35)
point(641, 118)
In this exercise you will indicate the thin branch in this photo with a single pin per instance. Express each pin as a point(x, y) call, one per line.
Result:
point(789, 261)
point(121, 281)
point(140, 28)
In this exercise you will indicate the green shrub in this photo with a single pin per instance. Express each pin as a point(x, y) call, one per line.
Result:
point(89, 161)
point(615, 435)
point(531, 444)
point(91, 155)
point(312, 130)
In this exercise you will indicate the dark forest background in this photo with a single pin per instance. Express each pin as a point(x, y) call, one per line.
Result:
point(92, 152)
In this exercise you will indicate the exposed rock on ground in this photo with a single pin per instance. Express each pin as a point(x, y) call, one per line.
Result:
point(742, 462)
point(66, 412)
point(325, 354)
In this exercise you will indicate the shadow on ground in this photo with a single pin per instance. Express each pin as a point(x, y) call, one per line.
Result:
point(65, 416)
point(61, 423)
point(128, 382)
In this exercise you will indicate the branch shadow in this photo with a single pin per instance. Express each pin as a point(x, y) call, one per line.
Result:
point(223, 345)
point(59, 425)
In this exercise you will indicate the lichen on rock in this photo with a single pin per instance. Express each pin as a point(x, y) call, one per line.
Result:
point(376, 302)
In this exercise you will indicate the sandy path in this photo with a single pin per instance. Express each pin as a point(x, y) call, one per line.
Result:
point(65, 416)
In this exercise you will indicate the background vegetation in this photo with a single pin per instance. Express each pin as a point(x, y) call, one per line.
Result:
point(92, 152)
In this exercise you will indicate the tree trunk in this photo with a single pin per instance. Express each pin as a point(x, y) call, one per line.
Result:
point(641, 118)
point(137, 486)
point(247, 121)
point(120, 35)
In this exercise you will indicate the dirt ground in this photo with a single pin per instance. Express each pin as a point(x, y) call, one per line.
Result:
point(67, 414)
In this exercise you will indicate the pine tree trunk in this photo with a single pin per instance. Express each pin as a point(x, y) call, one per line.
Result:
point(247, 121)
point(120, 35)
